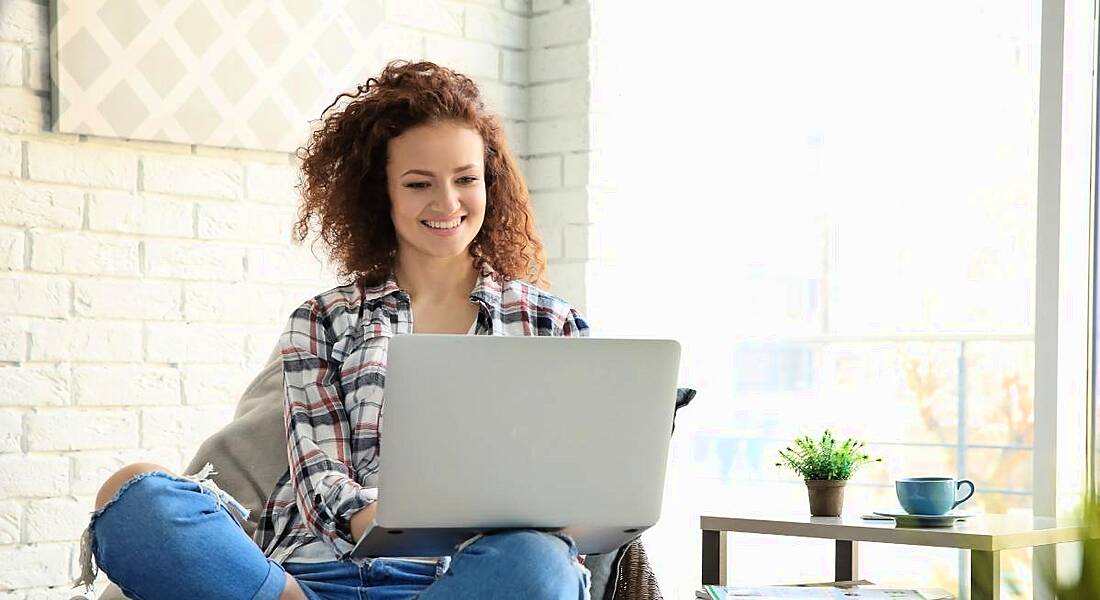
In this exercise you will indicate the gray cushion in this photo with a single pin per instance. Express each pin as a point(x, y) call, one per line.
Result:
point(249, 453)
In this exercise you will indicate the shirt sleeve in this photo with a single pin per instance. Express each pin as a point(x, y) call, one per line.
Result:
point(574, 325)
point(318, 430)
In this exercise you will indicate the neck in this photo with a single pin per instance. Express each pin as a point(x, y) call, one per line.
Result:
point(435, 279)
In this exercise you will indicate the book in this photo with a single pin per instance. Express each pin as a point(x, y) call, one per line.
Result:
point(778, 592)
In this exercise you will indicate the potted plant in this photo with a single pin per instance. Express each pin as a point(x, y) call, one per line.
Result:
point(826, 467)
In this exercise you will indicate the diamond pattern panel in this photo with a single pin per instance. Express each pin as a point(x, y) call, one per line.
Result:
point(234, 73)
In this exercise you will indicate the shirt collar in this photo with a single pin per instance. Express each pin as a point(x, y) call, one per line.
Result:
point(486, 289)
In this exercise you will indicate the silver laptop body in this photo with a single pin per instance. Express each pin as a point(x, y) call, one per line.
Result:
point(481, 433)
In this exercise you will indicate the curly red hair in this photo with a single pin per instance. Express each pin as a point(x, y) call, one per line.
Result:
point(344, 191)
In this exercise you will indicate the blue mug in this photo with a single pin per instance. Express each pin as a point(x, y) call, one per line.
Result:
point(931, 495)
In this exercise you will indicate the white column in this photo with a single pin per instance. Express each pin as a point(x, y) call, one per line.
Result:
point(1062, 261)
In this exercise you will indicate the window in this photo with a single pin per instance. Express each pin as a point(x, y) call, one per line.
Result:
point(834, 208)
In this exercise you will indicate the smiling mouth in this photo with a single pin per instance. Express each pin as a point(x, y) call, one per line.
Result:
point(444, 225)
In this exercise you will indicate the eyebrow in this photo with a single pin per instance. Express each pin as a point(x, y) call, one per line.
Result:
point(430, 174)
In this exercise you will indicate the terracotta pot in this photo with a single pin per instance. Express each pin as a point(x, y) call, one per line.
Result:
point(826, 496)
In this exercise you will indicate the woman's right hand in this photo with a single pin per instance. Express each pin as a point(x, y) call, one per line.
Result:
point(361, 520)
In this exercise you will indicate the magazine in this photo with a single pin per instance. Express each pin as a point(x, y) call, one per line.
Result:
point(770, 592)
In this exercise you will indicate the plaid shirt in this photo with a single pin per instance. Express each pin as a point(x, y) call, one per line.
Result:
point(334, 371)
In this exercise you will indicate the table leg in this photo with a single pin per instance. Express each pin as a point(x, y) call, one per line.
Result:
point(847, 560)
point(985, 575)
point(714, 557)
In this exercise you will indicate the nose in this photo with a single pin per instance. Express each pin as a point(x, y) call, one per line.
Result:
point(449, 200)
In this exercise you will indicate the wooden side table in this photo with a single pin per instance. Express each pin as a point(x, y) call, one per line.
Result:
point(984, 536)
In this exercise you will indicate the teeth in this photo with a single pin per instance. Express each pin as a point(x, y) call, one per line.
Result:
point(443, 224)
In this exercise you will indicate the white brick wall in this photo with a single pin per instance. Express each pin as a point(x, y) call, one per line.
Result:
point(143, 284)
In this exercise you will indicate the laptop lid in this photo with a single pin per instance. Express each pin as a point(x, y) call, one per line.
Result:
point(493, 432)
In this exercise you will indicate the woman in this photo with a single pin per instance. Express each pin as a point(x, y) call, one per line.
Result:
point(422, 208)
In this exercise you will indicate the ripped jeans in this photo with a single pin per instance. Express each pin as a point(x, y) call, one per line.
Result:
point(168, 537)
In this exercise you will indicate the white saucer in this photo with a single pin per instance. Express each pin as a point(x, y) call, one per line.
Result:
point(904, 519)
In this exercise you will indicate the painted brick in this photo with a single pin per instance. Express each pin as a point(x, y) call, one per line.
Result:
point(26, 205)
point(566, 26)
point(473, 59)
point(566, 98)
point(24, 110)
point(11, 65)
point(429, 15)
point(37, 385)
point(516, 134)
point(233, 303)
point(543, 172)
point(130, 385)
point(553, 244)
point(193, 260)
point(244, 222)
point(541, 6)
point(215, 384)
point(191, 176)
point(496, 27)
point(52, 593)
point(522, 7)
point(584, 242)
point(91, 468)
point(34, 476)
point(11, 157)
point(576, 168)
point(37, 565)
point(194, 343)
point(35, 295)
point(569, 282)
point(12, 244)
point(506, 100)
point(261, 340)
point(128, 299)
point(554, 64)
point(274, 184)
point(184, 426)
point(11, 433)
point(56, 519)
point(135, 213)
point(83, 429)
point(37, 64)
point(561, 208)
point(560, 135)
point(513, 66)
point(11, 515)
point(72, 252)
point(283, 265)
point(85, 341)
point(13, 338)
point(24, 22)
point(81, 164)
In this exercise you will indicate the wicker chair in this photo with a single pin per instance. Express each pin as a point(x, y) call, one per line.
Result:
point(633, 579)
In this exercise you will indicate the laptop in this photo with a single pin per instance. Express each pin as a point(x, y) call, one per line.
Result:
point(485, 433)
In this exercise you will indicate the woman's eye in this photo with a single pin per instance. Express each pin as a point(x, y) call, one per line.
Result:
point(417, 185)
point(468, 179)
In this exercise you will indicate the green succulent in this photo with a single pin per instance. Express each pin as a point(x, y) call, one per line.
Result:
point(824, 459)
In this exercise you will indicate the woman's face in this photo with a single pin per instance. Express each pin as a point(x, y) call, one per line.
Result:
point(436, 180)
